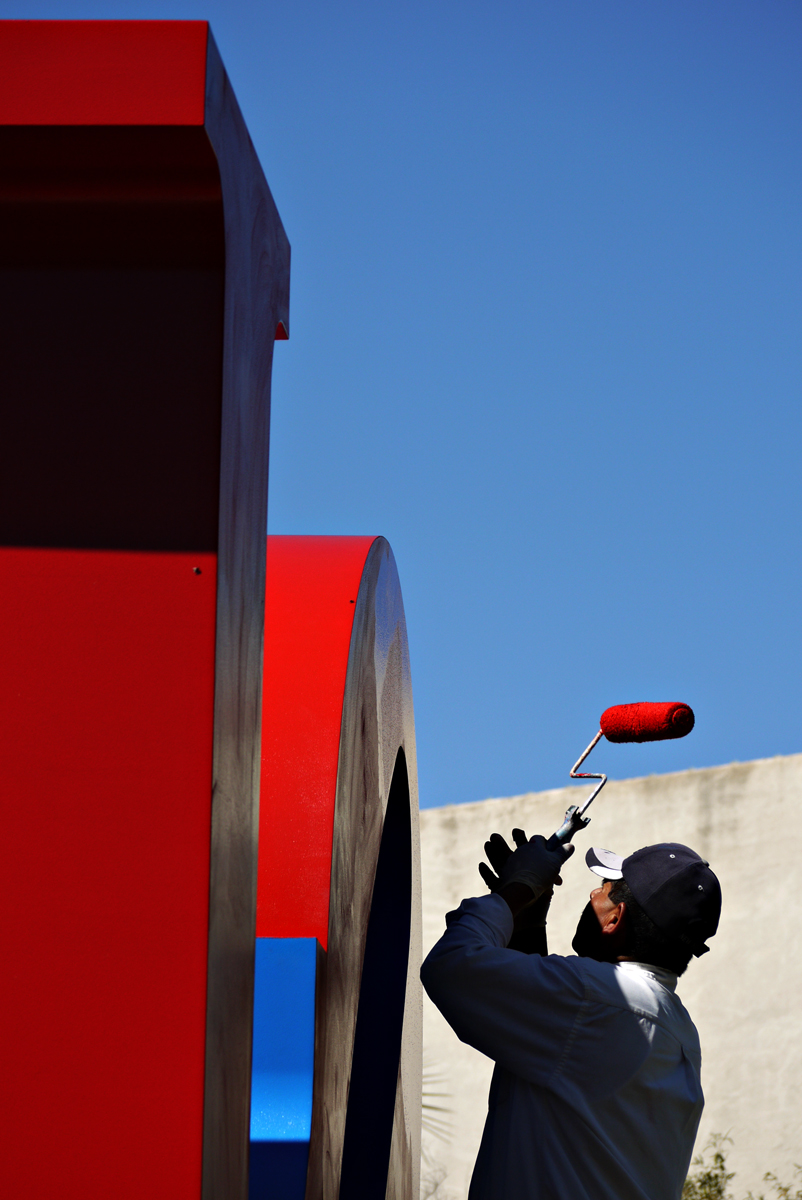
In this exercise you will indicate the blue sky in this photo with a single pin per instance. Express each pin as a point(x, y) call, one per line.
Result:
point(545, 337)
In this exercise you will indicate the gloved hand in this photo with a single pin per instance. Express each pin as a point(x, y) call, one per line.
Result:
point(498, 852)
point(532, 863)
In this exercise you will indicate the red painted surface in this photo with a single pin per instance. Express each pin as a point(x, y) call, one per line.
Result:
point(106, 708)
point(103, 72)
point(646, 721)
point(312, 586)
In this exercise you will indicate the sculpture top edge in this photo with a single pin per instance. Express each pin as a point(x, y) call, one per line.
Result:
point(103, 72)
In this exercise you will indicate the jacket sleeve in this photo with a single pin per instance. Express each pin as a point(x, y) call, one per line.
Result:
point(518, 1009)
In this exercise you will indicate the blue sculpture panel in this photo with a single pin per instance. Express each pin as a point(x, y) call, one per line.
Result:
point(283, 1067)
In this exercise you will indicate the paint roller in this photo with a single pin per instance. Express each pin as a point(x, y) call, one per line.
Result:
point(644, 722)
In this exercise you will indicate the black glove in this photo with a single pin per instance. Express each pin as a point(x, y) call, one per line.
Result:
point(498, 852)
point(529, 932)
point(532, 862)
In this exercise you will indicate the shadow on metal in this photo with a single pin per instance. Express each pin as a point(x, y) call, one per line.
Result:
point(380, 1016)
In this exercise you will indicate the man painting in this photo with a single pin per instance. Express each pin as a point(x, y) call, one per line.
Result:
point(596, 1093)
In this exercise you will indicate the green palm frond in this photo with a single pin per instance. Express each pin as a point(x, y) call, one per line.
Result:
point(434, 1117)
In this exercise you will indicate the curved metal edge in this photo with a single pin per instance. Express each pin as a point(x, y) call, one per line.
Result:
point(377, 719)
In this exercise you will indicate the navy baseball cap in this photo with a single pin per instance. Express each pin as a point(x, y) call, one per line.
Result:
point(672, 884)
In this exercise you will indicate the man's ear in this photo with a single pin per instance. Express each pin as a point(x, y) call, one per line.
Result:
point(615, 921)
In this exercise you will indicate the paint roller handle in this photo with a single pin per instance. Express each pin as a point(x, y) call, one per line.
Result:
point(574, 815)
point(642, 722)
point(574, 821)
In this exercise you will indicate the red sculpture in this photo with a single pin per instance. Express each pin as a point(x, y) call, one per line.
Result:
point(144, 275)
point(339, 856)
point(145, 272)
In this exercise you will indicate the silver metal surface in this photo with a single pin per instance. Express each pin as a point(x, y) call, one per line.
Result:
point(575, 774)
point(256, 298)
point(574, 820)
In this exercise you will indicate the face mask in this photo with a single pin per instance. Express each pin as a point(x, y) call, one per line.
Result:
point(589, 941)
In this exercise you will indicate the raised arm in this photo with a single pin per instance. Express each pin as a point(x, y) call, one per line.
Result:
point(518, 1009)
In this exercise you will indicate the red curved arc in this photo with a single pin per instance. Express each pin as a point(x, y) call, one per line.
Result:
point(310, 598)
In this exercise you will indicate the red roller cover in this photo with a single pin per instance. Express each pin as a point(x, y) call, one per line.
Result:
point(646, 722)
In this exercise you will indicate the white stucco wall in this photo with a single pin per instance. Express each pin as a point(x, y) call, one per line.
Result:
point(745, 995)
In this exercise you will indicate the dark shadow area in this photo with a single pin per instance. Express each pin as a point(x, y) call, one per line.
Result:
point(111, 292)
point(380, 1016)
point(278, 1169)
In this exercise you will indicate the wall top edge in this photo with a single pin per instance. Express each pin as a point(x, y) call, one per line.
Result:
point(689, 772)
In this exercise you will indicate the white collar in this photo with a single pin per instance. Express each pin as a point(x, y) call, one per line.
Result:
point(666, 979)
